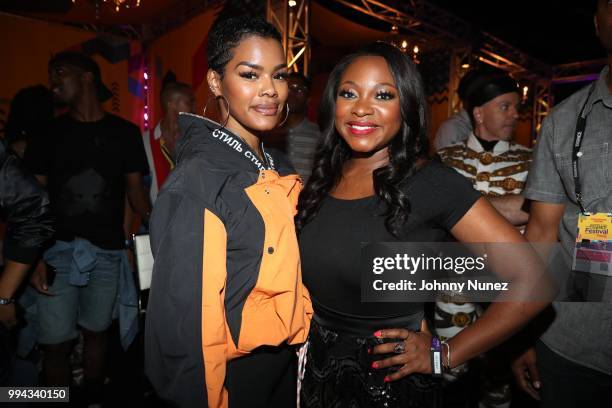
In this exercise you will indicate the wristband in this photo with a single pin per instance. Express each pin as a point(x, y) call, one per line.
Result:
point(436, 357)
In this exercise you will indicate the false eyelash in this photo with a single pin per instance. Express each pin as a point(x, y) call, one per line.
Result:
point(345, 93)
point(248, 75)
point(282, 76)
point(387, 95)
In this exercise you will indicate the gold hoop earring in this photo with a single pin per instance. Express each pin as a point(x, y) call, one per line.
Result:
point(286, 116)
point(206, 105)
point(227, 105)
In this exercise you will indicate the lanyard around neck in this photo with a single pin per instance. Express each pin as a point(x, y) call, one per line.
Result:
point(576, 153)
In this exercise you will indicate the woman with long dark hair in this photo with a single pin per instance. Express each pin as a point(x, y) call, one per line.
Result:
point(227, 304)
point(371, 182)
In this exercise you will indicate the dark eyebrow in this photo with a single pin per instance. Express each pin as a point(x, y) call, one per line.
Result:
point(349, 82)
point(388, 84)
point(250, 65)
point(382, 83)
point(259, 67)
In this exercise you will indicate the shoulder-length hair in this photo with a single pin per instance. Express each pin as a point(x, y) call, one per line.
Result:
point(405, 148)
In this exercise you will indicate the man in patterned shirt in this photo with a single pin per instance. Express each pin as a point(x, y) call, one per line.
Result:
point(496, 166)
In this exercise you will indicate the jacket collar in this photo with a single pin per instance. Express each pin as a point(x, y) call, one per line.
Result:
point(200, 134)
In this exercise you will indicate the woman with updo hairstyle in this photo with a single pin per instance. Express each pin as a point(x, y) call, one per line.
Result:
point(227, 307)
point(372, 183)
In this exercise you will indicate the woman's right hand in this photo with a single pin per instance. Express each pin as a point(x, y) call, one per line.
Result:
point(39, 279)
point(412, 353)
point(526, 373)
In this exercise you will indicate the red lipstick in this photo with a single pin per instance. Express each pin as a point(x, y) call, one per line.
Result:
point(361, 128)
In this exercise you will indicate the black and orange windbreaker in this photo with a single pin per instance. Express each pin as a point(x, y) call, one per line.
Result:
point(227, 276)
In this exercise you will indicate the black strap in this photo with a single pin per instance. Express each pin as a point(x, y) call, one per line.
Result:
point(578, 137)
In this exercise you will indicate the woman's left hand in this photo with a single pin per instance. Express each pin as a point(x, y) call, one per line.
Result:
point(412, 354)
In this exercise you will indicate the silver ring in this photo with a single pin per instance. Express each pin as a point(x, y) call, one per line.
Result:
point(399, 348)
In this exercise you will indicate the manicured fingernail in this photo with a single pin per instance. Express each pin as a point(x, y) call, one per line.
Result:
point(536, 385)
point(378, 334)
point(375, 365)
point(387, 379)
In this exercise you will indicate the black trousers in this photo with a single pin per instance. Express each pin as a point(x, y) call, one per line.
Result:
point(566, 384)
point(267, 378)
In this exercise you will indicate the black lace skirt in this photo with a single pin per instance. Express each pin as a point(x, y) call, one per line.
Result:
point(338, 374)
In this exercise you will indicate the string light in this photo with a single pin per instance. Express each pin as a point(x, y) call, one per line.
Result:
point(145, 115)
point(116, 4)
point(403, 42)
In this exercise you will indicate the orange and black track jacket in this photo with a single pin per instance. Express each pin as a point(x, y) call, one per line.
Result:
point(227, 276)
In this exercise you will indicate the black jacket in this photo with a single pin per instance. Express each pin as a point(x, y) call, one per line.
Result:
point(24, 205)
point(227, 277)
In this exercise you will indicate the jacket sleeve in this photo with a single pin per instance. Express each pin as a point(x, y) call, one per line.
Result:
point(186, 334)
point(25, 206)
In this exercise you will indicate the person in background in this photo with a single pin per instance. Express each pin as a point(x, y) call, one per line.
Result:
point(302, 135)
point(89, 160)
point(25, 208)
point(570, 365)
point(458, 127)
point(30, 114)
point(160, 143)
point(497, 168)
